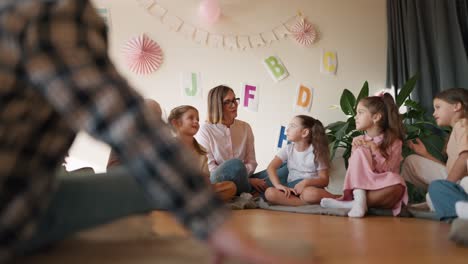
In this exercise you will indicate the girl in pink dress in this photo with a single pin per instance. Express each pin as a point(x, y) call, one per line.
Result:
point(373, 178)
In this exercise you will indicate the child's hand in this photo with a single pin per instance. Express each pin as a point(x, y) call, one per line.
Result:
point(300, 187)
point(287, 191)
point(258, 184)
point(359, 143)
point(418, 147)
point(367, 144)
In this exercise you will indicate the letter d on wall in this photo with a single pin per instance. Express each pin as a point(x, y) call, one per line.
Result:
point(304, 96)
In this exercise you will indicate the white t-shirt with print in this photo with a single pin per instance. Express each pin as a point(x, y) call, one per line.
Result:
point(301, 165)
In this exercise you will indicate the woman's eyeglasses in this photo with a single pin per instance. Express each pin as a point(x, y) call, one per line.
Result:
point(231, 102)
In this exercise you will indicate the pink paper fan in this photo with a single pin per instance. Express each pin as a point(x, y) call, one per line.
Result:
point(304, 32)
point(143, 55)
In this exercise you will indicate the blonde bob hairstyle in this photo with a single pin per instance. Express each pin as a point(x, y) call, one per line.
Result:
point(215, 103)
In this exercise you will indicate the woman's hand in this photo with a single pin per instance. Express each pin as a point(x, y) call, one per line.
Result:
point(258, 184)
point(418, 147)
point(287, 191)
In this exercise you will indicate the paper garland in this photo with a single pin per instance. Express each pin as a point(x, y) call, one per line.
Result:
point(306, 34)
point(143, 55)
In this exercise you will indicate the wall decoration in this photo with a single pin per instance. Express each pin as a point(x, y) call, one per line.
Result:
point(304, 98)
point(329, 62)
point(143, 55)
point(250, 97)
point(304, 32)
point(282, 138)
point(210, 11)
point(276, 68)
point(104, 13)
point(190, 85)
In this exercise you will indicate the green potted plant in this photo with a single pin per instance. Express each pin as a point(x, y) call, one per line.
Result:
point(417, 125)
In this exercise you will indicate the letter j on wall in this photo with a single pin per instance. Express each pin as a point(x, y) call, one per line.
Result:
point(190, 85)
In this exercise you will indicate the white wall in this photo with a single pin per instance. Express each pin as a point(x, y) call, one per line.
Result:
point(355, 29)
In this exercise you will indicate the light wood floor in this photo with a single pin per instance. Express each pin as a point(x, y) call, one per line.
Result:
point(345, 240)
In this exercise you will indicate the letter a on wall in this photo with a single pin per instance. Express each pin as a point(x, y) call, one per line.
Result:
point(190, 85)
point(304, 97)
point(329, 62)
point(250, 97)
point(276, 68)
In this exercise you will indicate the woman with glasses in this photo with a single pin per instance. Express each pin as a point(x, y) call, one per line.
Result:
point(229, 143)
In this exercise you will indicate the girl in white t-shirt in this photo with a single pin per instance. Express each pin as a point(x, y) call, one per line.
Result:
point(308, 161)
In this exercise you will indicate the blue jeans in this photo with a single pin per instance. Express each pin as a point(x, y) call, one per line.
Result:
point(234, 170)
point(293, 183)
point(85, 201)
point(444, 194)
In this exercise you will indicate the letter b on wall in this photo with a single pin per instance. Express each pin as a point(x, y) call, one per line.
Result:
point(276, 68)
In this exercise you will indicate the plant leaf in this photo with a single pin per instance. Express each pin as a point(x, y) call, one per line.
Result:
point(340, 133)
point(335, 126)
point(348, 102)
point(406, 90)
point(363, 93)
point(414, 105)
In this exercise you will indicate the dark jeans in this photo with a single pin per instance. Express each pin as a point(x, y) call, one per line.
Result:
point(234, 170)
point(85, 201)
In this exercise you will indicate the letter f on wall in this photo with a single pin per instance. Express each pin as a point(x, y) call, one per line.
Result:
point(250, 97)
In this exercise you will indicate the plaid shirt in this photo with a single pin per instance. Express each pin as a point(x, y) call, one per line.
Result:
point(55, 79)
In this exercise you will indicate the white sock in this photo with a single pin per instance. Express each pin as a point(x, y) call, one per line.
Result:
point(461, 208)
point(333, 203)
point(464, 183)
point(429, 203)
point(360, 204)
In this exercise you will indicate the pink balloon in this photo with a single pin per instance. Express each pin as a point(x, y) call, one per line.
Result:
point(209, 11)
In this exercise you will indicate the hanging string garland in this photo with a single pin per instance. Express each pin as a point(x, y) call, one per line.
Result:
point(304, 32)
point(143, 55)
point(296, 27)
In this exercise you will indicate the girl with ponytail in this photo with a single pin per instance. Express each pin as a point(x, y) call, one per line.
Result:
point(373, 178)
point(308, 160)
